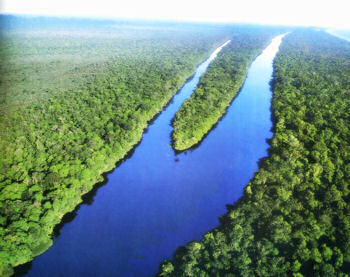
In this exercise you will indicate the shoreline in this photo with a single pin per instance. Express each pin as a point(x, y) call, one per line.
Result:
point(101, 176)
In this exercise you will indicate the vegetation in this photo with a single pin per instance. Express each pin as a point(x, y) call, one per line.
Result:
point(218, 86)
point(294, 217)
point(74, 102)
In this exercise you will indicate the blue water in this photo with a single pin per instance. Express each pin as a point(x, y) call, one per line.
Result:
point(156, 201)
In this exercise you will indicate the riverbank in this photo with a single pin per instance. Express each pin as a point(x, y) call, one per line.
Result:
point(293, 217)
point(157, 199)
point(64, 145)
point(218, 86)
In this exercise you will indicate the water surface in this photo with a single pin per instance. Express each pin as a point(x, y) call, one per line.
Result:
point(156, 201)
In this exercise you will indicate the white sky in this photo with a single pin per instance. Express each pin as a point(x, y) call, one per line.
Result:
point(328, 13)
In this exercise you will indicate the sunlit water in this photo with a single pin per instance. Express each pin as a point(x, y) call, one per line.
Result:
point(156, 201)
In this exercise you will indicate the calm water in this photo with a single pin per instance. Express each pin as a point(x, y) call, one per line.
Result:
point(156, 201)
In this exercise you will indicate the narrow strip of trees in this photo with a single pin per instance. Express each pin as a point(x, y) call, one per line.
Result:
point(55, 146)
point(294, 217)
point(217, 87)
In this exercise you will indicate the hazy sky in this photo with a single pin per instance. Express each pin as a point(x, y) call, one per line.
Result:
point(331, 13)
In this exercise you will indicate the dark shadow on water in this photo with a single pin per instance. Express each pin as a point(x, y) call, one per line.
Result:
point(171, 101)
point(198, 144)
point(88, 198)
point(224, 221)
point(22, 270)
point(272, 84)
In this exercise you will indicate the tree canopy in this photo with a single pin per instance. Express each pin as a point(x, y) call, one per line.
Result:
point(74, 102)
point(217, 87)
point(294, 217)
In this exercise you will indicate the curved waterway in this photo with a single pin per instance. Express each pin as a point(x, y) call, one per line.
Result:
point(156, 201)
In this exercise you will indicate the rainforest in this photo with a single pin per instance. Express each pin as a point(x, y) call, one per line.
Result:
point(294, 216)
point(143, 148)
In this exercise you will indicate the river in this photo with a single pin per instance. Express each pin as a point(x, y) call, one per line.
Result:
point(156, 200)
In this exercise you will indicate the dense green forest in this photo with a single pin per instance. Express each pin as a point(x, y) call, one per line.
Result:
point(74, 100)
point(294, 217)
point(217, 87)
point(39, 61)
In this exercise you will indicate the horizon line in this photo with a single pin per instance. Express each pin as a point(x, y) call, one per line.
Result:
point(191, 21)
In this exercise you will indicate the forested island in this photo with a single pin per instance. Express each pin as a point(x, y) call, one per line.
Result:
point(294, 218)
point(75, 98)
point(217, 88)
